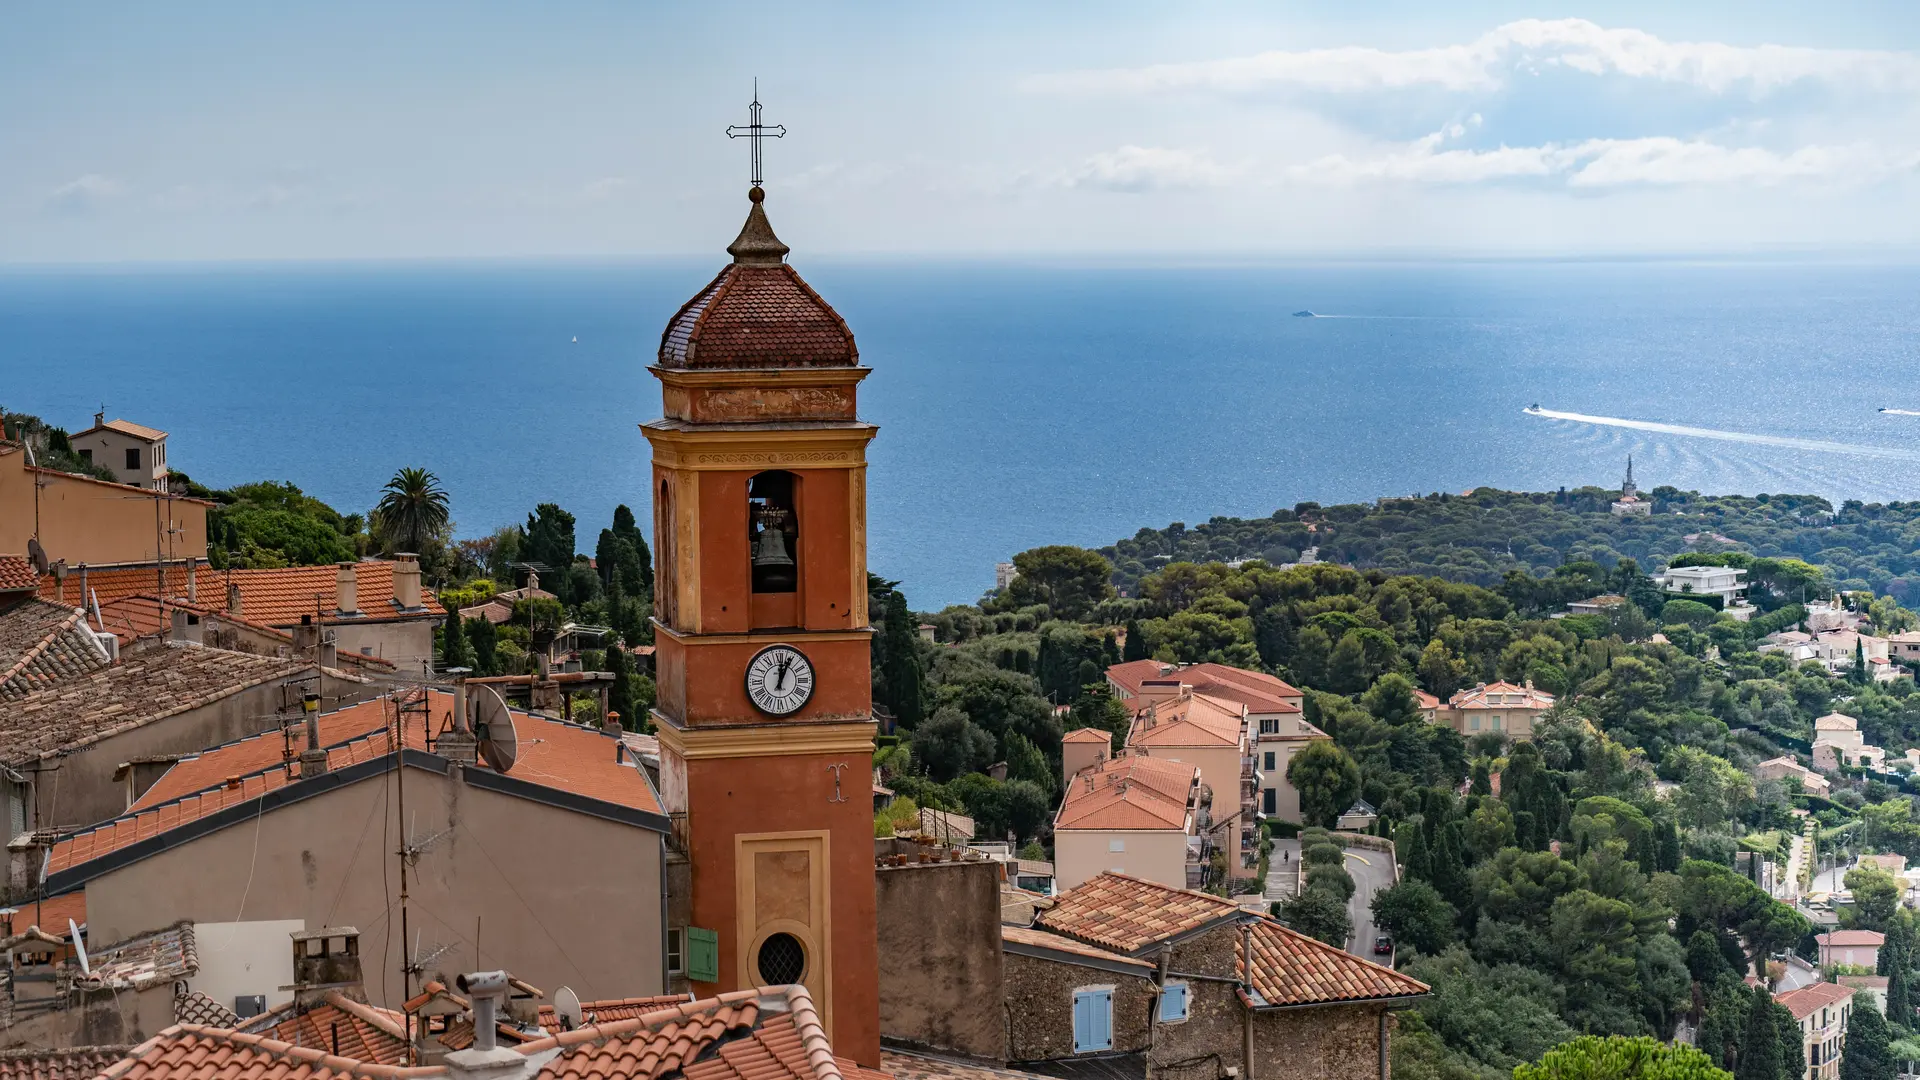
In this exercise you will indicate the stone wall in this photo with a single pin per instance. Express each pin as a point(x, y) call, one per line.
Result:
point(1213, 1036)
point(1333, 1042)
point(940, 970)
point(1039, 1007)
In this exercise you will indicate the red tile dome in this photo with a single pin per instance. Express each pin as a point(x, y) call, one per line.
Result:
point(757, 313)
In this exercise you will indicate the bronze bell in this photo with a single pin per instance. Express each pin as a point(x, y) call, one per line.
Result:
point(770, 549)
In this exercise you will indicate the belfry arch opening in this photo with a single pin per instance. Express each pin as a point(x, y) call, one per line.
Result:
point(773, 529)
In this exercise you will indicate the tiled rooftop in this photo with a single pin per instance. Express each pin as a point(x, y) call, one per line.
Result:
point(1258, 691)
point(1125, 913)
point(16, 573)
point(553, 754)
point(912, 1065)
point(1807, 1000)
point(605, 1012)
point(1192, 719)
point(1132, 791)
point(757, 317)
point(142, 961)
point(273, 597)
point(127, 427)
point(1293, 969)
point(1861, 938)
point(43, 645)
point(1501, 695)
point(1088, 735)
point(143, 615)
point(74, 1063)
point(1040, 939)
point(141, 689)
point(338, 1025)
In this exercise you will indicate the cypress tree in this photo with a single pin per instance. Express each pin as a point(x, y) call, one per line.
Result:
point(1793, 1044)
point(454, 650)
point(1899, 998)
point(620, 695)
point(1865, 1055)
point(1136, 646)
point(1759, 1057)
point(481, 636)
point(1667, 855)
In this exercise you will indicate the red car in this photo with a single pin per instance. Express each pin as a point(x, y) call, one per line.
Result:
point(1383, 946)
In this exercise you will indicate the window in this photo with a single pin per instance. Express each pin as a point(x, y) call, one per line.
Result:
point(703, 954)
point(782, 960)
point(1496, 721)
point(86, 455)
point(1269, 761)
point(1116, 845)
point(1269, 727)
point(1173, 1003)
point(1473, 722)
point(676, 951)
point(774, 531)
point(1092, 1019)
point(1269, 800)
point(133, 457)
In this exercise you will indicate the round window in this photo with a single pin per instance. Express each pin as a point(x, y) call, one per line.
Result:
point(783, 960)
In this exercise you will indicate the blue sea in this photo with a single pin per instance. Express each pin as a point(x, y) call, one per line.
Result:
point(1019, 404)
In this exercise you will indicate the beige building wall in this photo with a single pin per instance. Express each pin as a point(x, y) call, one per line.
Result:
point(1513, 723)
point(1219, 770)
point(1154, 854)
point(405, 643)
point(1286, 797)
point(108, 448)
point(557, 897)
point(80, 519)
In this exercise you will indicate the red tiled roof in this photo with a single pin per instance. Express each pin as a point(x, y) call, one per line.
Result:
point(1040, 939)
point(1806, 1000)
point(141, 689)
point(272, 597)
point(193, 1052)
point(1125, 913)
point(1258, 691)
point(604, 1012)
point(1476, 697)
point(772, 1033)
point(1192, 719)
point(1290, 968)
point(1853, 937)
point(1132, 791)
point(757, 317)
point(52, 913)
point(73, 1063)
point(16, 573)
point(133, 617)
point(1088, 735)
point(43, 645)
point(553, 754)
point(126, 427)
point(338, 1025)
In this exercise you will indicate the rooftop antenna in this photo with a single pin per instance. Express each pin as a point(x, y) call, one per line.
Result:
point(79, 948)
point(753, 131)
point(566, 1006)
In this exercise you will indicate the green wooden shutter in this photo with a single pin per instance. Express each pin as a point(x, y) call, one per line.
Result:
point(703, 955)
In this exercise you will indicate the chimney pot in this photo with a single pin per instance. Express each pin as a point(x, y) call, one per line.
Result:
point(233, 602)
point(406, 581)
point(346, 588)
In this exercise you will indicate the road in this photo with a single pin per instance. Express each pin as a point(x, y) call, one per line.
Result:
point(1283, 869)
point(1372, 871)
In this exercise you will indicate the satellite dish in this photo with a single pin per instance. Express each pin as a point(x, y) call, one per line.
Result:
point(566, 1005)
point(493, 726)
point(79, 947)
point(37, 554)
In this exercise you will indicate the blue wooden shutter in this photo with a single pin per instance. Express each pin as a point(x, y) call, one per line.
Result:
point(1082, 1021)
point(1173, 1002)
point(1102, 1020)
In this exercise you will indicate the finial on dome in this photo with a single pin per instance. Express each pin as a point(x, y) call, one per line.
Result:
point(756, 245)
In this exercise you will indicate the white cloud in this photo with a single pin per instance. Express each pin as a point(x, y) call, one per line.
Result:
point(1148, 168)
point(84, 194)
point(1604, 163)
point(1527, 45)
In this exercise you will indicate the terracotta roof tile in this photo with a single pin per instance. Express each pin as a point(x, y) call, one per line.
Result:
point(74, 1063)
point(757, 317)
point(770, 1033)
point(130, 618)
point(1476, 697)
point(53, 913)
point(1853, 937)
point(1021, 935)
point(141, 689)
point(127, 427)
point(1258, 691)
point(272, 597)
point(192, 1052)
point(1132, 791)
point(553, 754)
point(913, 1065)
point(600, 1012)
point(338, 1025)
point(142, 961)
point(1088, 735)
point(1125, 913)
point(44, 645)
point(1293, 969)
point(16, 573)
point(1192, 719)
point(1804, 1001)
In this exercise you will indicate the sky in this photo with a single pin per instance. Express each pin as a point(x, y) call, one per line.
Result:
point(1364, 128)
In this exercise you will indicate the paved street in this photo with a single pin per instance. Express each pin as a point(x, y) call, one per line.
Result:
point(1282, 869)
point(1372, 871)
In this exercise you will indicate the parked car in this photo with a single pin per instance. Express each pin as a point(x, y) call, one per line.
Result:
point(1383, 946)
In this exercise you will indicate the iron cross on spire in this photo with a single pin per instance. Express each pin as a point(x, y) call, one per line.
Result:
point(754, 131)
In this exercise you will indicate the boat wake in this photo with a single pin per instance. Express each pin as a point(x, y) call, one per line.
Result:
point(1816, 445)
point(1900, 412)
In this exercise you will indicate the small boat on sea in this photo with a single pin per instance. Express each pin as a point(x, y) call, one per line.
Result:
point(1305, 315)
point(576, 339)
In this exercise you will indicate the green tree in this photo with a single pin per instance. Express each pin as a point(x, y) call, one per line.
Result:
point(899, 675)
point(1621, 1057)
point(1793, 1044)
point(1136, 646)
point(413, 510)
point(1390, 700)
point(1097, 708)
point(950, 744)
point(1327, 779)
point(1026, 762)
point(1416, 915)
point(1027, 808)
point(483, 637)
point(1900, 997)
point(454, 650)
point(1866, 1055)
point(626, 529)
point(1068, 580)
point(1760, 1051)
point(1320, 914)
point(1876, 896)
point(620, 694)
point(549, 543)
point(1687, 613)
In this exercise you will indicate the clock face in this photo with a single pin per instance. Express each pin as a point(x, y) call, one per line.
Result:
point(779, 680)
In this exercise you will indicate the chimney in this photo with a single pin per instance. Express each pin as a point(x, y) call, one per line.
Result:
point(99, 418)
point(327, 959)
point(406, 581)
point(488, 991)
point(458, 744)
point(1155, 690)
point(346, 589)
point(193, 584)
point(233, 600)
point(313, 760)
point(187, 627)
point(305, 637)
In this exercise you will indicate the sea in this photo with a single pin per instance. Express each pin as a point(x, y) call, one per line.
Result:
point(1019, 403)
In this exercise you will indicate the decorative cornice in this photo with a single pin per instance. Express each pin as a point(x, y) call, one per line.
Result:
point(836, 446)
point(762, 637)
point(768, 377)
point(765, 740)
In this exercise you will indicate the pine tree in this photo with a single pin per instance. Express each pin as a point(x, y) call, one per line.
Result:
point(628, 530)
point(1865, 1055)
point(1136, 646)
point(1760, 1050)
point(454, 650)
point(481, 636)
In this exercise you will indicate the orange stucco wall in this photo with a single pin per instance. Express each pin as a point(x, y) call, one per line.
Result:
point(84, 520)
point(706, 682)
point(728, 797)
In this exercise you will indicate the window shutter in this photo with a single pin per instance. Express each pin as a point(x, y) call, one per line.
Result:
point(703, 955)
point(1082, 1021)
point(1173, 1002)
point(1103, 1020)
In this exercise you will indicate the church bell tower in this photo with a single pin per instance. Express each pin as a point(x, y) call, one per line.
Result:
point(765, 706)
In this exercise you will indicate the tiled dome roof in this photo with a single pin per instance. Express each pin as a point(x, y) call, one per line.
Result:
point(757, 313)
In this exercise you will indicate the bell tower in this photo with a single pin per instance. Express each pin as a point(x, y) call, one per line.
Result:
point(765, 707)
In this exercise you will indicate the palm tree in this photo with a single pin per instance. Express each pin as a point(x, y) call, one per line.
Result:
point(413, 509)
